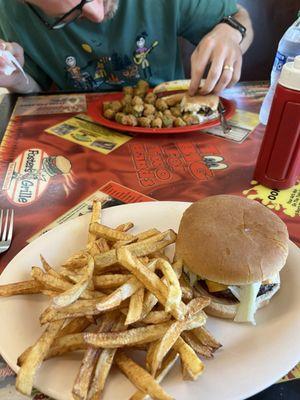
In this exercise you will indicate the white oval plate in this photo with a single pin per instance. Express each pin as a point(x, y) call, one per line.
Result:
point(252, 358)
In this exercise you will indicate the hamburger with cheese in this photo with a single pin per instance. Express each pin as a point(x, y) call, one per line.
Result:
point(233, 249)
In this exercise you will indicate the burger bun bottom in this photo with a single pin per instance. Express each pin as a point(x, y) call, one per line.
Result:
point(224, 308)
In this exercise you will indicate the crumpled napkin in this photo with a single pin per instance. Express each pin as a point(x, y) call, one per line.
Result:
point(11, 64)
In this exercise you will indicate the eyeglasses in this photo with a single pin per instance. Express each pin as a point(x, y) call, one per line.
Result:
point(66, 19)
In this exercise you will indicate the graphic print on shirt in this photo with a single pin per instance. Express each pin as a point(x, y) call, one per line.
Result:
point(78, 79)
point(114, 69)
point(140, 56)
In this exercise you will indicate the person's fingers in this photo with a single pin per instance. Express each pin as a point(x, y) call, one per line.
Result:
point(236, 76)
point(2, 45)
point(214, 73)
point(199, 61)
point(226, 76)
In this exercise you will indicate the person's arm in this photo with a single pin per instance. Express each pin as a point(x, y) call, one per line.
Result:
point(16, 82)
point(222, 48)
point(243, 17)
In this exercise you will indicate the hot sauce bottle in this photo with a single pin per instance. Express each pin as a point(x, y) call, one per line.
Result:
point(278, 163)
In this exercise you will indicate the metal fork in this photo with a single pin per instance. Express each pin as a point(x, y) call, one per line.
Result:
point(225, 126)
point(7, 221)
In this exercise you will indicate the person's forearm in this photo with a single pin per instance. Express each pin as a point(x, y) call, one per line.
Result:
point(24, 86)
point(243, 17)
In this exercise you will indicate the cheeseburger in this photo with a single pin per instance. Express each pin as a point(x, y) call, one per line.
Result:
point(233, 250)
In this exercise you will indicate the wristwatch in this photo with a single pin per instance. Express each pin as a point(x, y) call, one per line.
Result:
point(234, 23)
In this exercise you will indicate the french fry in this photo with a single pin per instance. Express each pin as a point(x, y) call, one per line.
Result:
point(135, 307)
point(140, 249)
point(156, 317)
point(25, 287)
point(80, 308)
point(199, 348)
point(173, 332)
point(127, 338)
point(187, 290)
point(76, 261)
point(85, 374)
point(150, 354)
point(75, 325)
point(139, 237)
point(52, 282)
point(49, 269)
point(69, 296)
point(103, 367)
point(193, 367)
point(110, 281)
point(174, 295)
point(96, 216)
point(147, 234)
point(45, 264)
point(102, 245)
point(150, 280)
point(166, 367)
point(206, 338)
point(50, 293)
point(149, 303)
point(66, 344)
point(140, 377)
point(119, 295)
point(109, 234)
point(24, 382)
point(125, 227)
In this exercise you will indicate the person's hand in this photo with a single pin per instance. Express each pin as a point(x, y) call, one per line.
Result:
point(221, 50)
point(9, 81)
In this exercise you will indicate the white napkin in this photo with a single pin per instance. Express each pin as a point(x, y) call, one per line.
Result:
point(11, 64)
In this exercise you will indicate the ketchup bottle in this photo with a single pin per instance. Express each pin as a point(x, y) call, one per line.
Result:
point(278, 163)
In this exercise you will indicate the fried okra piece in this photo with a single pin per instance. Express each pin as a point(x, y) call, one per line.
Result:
point(159, 114)
point(142, 84)
point(129, 120)
point(138, 110)
point(128, 109)
point(128, 90)
point(167, 121)
point(142, 88)
point(119, 116)
point(144, 122)
point(150, 98)
point(127, 99)
point(179, 122)
point(176, 111)
point(137, 101)
point(161, 105)
point(116, 106)
point(106, 105)
point(109, 114)
point(190, 119)
point(156, 123)
point(149, 109)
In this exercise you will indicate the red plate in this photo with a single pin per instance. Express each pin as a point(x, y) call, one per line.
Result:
point(95, 111)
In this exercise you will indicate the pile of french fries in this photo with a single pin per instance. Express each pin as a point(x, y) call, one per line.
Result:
point(120, 293)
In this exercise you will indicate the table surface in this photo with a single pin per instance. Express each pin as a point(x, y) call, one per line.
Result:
point(144, 168)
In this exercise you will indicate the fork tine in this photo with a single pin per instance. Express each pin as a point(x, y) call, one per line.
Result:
point(11, 226)
point(1, 218)
point(5, 226)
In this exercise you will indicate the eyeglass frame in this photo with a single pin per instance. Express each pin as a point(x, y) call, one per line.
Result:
point(59, 23)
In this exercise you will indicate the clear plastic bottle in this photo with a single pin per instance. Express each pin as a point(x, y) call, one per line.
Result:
point(288, 49)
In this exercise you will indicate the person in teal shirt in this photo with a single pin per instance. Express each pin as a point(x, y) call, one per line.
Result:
point(95, 45)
